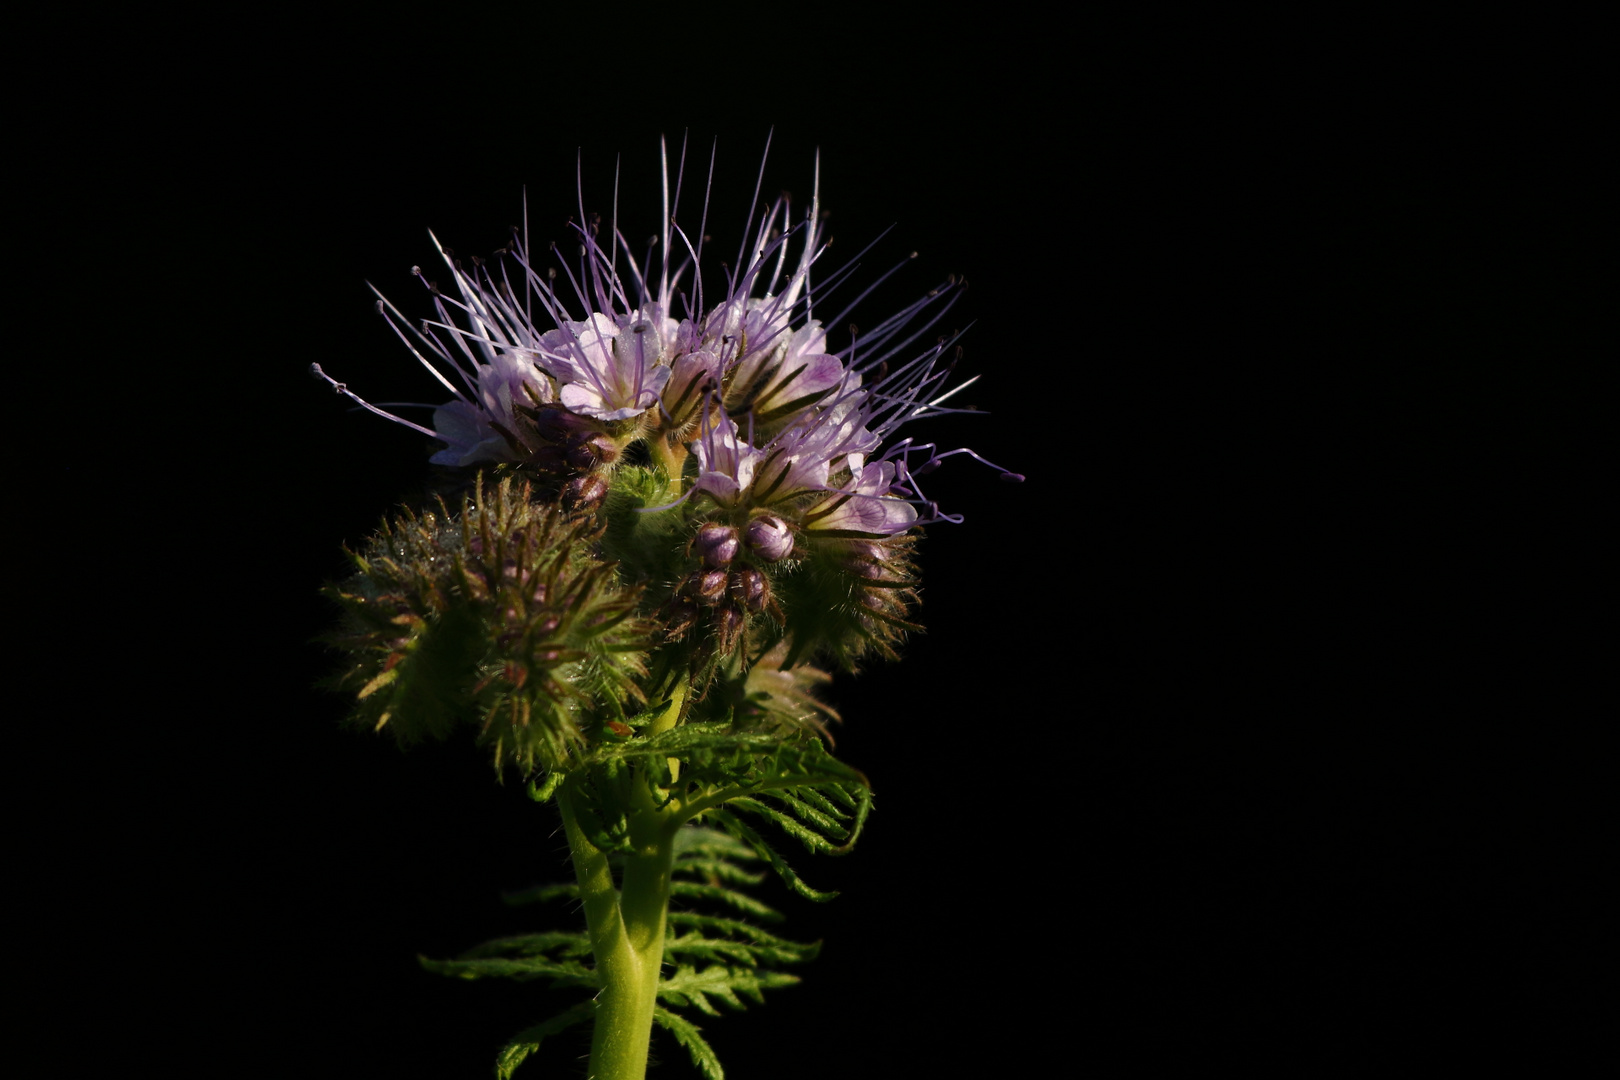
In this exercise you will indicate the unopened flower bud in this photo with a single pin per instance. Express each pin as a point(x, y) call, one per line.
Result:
point(864, 558)
point(680, 614)
point(769, 538)
point(707, 587)
point(728, 623)
point(584, 493)
point(750, 588)
point(716, 543)
point(589, 453)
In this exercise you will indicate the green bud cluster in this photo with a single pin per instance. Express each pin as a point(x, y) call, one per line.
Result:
point(504, 616)
point(546, 622)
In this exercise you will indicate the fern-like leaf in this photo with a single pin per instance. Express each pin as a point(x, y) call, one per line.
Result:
point(742, 831)
point(686, 1033)
point(688, 985)
point(560, 972)
point(753, 952)
point(528, 1040)
point(563, 942)
point(536, 894)
point(716, 871)
point(739, 901)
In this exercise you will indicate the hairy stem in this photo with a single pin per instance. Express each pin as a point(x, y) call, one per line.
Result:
point(671, 456)
point(627, 925)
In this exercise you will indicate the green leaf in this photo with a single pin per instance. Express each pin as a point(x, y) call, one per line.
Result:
point(812, 840)
point(731, 951)
point(822, 803)
point(647, 715)
point(528, 1040)
point(842, 795)
point(686, 1033)
point(539, 893)
point(688, 737)
point(696, 841)
point(810, 815)
point(543, 791)
point(746, 834)
point(717, 870)
point(863, 809)
point(730, 897)
point(736, 926)
point(561, 973)
point(574, 943)
point(688, 984)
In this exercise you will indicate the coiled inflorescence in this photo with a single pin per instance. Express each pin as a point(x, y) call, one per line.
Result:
point(504, 615)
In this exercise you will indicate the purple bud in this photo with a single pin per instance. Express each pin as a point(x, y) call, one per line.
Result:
point(865, 559)
point(728, 623)
point(707, 587)
point(749, 587)
point(587, 454)
point(769, 538)
point(585, 492)
point(716, 543)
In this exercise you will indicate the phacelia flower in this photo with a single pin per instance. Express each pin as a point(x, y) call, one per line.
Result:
point(747, 385)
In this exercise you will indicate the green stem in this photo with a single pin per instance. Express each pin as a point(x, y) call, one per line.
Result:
point(671, 456)
point(627, 925)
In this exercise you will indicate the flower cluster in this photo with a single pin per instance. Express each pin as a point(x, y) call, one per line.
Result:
point(770, 440)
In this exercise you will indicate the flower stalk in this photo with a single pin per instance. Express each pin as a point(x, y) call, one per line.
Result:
point(627, 929)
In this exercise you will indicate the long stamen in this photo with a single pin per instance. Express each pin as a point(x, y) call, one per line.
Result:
point(341, 388)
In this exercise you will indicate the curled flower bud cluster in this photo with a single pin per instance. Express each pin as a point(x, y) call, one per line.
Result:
point(504, 617)
point(729, 579)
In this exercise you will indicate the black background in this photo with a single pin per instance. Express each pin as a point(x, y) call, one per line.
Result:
point(1251, 727)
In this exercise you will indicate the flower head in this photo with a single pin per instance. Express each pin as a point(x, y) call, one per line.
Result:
point(623, 387)
point(749, 384)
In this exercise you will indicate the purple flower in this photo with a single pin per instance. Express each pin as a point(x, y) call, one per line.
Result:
point(747, 385)
point(726, 464)
point(610, 369)
point(865, 507)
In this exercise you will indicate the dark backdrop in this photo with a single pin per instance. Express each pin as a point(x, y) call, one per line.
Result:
point(1250, 725)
